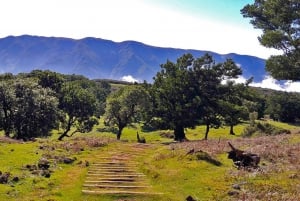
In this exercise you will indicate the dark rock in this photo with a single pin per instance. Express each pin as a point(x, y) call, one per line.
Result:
point(43, 164)
point(31, 167)
point(68, 160)
point(4, 178)
point(35, 172)
point(45, 173)
point(190, 198)
point(16, 179)
point(233, 193)
point(236, 186)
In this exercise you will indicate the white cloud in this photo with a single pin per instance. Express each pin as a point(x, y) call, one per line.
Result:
point(292, 86)
point(129, 78)
point(270, 83)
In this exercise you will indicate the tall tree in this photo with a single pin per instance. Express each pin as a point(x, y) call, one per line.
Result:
point(176, 101)
point(78, 105)
point(7, 106)
point(125, 106)
point(280, 22)
point(232, 104)
point(27, 110)
point(188, 91)
point(284, 106)
point(206, 82)
point(209, 76)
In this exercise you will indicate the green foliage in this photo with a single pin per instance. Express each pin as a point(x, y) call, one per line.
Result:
point(27, 109)
point(48, 79)
point(78, 105)
point(264, 129)
point(249, 131)
point(176, 102)
point(253, 116)
point(7, 106)
point(188, 91)
point(279, 21)
point(283, 106)
point(125, 106)
point(232, 104)
point(29, 105)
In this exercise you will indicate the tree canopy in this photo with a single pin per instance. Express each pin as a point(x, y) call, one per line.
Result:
point(188, 91)
point(78, 105)
point(125, 106)
point(27, 110)
point(280, 22)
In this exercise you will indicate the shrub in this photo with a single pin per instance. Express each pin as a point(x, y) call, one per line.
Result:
point(249, 131)
point(264, 129)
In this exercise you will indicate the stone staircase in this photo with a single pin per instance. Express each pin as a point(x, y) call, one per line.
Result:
point(117, 173)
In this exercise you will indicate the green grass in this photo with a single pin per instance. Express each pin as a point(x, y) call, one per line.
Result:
point(169, 170)
point(180, 176)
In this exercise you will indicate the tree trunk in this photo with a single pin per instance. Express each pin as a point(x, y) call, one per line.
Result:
point(65, 134)
point(207, 131)
point(179, 134)
point(7, 133)
point(231, 130)
point(119, 133)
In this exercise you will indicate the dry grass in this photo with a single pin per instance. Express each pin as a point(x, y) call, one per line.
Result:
point(8, 140)
point(278, 177)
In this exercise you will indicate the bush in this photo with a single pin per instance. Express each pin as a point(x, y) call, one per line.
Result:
point(249, 131)
point(264, 129)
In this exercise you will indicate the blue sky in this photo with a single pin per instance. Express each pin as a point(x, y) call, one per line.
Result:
point(214, 25)
point(223, 10)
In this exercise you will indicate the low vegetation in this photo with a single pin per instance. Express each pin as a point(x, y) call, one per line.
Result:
point(189, 99)
point(198, 168)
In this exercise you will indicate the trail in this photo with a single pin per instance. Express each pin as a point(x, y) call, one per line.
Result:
point(116, 172)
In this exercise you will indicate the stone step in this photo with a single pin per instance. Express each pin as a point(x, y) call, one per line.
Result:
point(127, 179)
point(114, 175)
point(112, 168)
point(114, 186)
point(116, 182)
point(117, 173)
point(119, 192)
point(111, 172)
point(114, 163)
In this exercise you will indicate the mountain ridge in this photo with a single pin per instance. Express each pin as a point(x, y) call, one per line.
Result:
point(102, 58)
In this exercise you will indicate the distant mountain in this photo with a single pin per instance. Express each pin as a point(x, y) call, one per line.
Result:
point(98, 58)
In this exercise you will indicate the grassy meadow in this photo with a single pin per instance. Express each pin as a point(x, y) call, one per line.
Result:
point(206, 174)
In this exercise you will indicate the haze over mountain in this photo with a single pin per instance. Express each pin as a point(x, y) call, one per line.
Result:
point(99, 58)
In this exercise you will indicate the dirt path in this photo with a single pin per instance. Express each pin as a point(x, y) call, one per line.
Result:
point(116, 172)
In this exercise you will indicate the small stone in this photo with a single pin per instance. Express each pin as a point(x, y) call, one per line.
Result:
point(236, 186)
point(15, 179)
point(68, 160)
point(43, 164)
point(233, 193)
point(190, 198)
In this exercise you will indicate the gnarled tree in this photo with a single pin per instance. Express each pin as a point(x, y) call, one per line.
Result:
point(78, 105)
point(125, 106)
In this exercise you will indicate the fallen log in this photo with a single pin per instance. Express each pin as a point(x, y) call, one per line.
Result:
point(243, 159)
